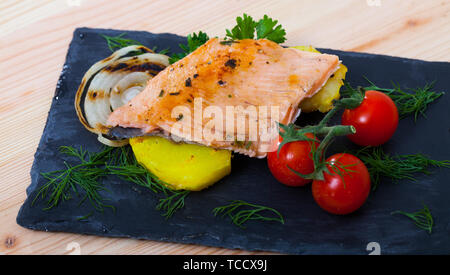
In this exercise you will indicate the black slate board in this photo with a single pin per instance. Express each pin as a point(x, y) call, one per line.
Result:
point(308, 229)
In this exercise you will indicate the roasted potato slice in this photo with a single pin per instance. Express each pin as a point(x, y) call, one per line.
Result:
point(182, 166)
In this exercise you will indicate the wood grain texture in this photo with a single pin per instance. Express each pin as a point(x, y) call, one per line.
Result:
point(35, 34)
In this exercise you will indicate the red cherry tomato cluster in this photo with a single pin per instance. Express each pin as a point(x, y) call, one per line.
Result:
point(347, 185)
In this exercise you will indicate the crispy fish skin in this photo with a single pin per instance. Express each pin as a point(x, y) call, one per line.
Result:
point(247, 73)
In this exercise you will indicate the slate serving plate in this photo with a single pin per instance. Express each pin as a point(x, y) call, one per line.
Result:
point(308, 229)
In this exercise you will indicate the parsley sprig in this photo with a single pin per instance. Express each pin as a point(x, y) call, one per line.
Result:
point(422, 218)
point(244, 29)
point(265, 28)
point(240, 212)
point(194, 41)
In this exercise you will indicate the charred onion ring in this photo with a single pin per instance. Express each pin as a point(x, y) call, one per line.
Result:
point(112, 82)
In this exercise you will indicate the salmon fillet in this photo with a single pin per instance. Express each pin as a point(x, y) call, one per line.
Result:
point(245, 78)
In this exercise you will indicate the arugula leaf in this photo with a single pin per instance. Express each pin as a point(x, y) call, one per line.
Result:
point(245, 28)
point(265, 29)
point(193, 42)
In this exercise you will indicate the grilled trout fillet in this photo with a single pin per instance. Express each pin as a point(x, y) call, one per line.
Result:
point(209, 92)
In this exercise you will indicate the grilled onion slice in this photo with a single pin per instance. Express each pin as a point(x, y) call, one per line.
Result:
point(112, 82)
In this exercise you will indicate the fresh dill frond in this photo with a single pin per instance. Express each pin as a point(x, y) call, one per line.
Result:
point(122, 163)
point(163, 51)
point(86, 177)
point(81, 178)
point(194, 41)
point(414, 102)
point(422, 218)
point(85, 217)
point(240, 212)
point(119, 42)
point(173, 201)
point(396, 167)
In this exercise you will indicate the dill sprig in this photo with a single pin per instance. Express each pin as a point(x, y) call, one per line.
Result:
point(422, 218)
point(85, 217)
point(86, 178)
point(396, 167)
point(414, 102)
point(119, 42)
point(124, 165)
point(172, 202)
point(163, 51)
point(81, 177)
point(240, 212)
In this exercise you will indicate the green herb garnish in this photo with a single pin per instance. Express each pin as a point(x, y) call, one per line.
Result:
point(119, 42)
point(422, 218)
point(172, 202)
point(85, 217)
point(124, 164)
point(240, 212)
point(163, 51)
point(194, 41)
point(85, 179)
point(76, 178)
point(414, 102)
point(265, 28)
point(396, 167)
point(244, 29)
point(249, 143)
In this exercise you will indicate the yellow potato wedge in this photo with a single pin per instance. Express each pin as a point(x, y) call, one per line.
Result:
point(182, 166)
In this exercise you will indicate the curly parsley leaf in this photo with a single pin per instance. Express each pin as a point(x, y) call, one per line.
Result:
point(194, 41)
point(267, 28)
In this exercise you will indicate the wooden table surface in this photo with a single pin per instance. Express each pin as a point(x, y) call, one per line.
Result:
point(35, 35)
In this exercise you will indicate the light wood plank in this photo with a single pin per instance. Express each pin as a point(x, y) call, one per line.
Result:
point(35, 34)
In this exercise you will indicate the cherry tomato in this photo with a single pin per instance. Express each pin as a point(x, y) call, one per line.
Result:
point(345, 193)
point(375, 120)
point(297, 155)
